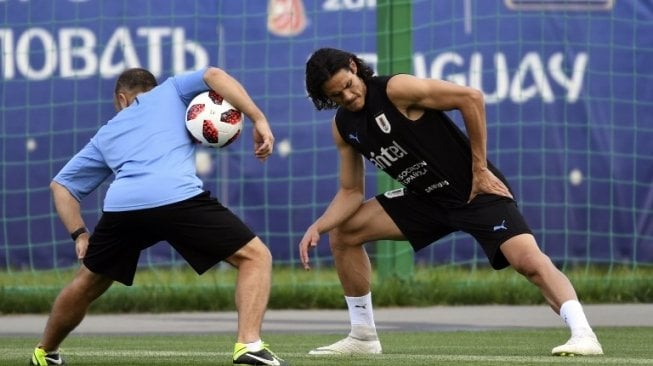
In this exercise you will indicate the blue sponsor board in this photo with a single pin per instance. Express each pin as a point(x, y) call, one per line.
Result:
point(567, 86)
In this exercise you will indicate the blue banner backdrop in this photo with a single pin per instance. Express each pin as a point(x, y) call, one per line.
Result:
point(568, 92)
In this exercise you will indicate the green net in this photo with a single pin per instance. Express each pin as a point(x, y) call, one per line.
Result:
point(567, 87)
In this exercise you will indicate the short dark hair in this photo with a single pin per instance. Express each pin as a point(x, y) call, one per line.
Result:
point(322, 65)
point(135, 80)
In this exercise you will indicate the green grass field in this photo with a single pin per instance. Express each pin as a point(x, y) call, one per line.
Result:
point(623, 346)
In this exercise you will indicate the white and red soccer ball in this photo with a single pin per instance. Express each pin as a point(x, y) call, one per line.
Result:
point(212, 121)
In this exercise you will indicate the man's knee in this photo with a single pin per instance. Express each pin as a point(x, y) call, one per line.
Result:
point(533, 264)
point(340, 238)
point(255, 250)
point(89, 284)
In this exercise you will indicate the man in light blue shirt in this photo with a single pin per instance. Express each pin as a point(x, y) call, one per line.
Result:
point(157, 196)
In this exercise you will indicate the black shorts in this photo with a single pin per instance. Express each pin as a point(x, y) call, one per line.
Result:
point(490, 219)
point(200, 229)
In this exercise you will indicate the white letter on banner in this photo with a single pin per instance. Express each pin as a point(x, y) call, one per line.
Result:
point(502, 77)
point(84, 51)
point(7, 39)
point(419, 65)
point(179, 48)
point(574, 84)
point(120, 41)
point(440, 62)
point(154, 51)
point(49, 53)
point(532, 65)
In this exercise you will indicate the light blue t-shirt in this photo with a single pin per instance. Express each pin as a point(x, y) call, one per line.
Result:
point(146, 146)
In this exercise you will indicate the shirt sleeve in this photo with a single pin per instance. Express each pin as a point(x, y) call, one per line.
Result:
point(190, 84)
point(84, 172)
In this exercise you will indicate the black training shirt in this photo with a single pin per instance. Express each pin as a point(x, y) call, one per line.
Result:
point(429, 156)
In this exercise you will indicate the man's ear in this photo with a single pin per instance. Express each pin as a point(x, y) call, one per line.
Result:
point(352, 66)
point(121, 101)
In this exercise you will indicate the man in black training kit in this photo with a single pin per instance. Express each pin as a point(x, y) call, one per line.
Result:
point(398, 123)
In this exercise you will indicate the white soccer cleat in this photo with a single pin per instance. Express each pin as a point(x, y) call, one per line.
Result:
point(349, 346)
point(584, 345)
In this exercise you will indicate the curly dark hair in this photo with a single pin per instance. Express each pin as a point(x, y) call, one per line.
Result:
point(322, 65)
point(135, 80)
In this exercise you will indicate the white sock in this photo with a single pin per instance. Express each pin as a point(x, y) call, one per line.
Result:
point(573, 315)
point(360, 310)
point(255, 346)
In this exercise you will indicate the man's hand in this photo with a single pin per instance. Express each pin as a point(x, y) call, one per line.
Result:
point(263, 140)
point(484, 181)
point(81, 245)
point(309, 241)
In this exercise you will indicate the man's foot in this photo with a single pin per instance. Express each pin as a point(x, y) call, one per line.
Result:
point(584, 345)
point(42, 358)
point(349, 346)
point(265, 356)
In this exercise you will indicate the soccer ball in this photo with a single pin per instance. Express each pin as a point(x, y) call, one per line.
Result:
point(212, 121)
